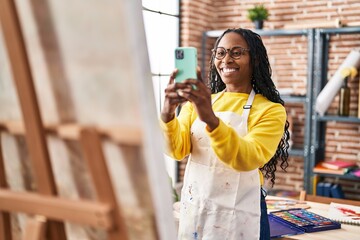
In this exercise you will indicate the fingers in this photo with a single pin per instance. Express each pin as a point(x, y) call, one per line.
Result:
point(193, 93)
point(198, 74)
point(176, 98)
point(188, 90)
point(174, 95)
point(197, 86)
point(171, 87)
point(172, 76)
point(171, 91)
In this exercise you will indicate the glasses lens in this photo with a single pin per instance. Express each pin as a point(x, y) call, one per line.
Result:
point(236, 52)
point(220, 52)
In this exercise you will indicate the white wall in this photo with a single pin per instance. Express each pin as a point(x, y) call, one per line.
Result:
point(162, 33)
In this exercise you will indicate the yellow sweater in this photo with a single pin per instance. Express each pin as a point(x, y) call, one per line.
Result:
point(265, 128)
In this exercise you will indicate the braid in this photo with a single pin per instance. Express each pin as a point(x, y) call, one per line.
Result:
point(262, 84)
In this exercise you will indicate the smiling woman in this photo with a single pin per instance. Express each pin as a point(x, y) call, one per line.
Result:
point(229, 65)
point(233, 133)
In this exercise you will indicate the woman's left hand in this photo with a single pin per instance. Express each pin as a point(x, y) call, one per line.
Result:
point(200, 95)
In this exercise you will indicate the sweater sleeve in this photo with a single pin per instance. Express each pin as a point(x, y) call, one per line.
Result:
point(256, 148)
point(177, 133)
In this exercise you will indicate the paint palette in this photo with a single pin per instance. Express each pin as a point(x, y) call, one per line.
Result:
point(306, 220)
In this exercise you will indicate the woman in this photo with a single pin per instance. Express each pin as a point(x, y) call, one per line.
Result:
point(231, 134)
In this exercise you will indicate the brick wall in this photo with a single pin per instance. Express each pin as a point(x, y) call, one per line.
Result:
point(196, 17)
point(289, 63)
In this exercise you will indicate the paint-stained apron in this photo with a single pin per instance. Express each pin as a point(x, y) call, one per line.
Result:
point(217, 202)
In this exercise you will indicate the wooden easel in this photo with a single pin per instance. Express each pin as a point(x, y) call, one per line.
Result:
point(48, 210)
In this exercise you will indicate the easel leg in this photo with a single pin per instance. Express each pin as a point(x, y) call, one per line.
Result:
point(35, 229)
point(35, 134)
point(5, 226)
point(92, 148)
point(5, 223)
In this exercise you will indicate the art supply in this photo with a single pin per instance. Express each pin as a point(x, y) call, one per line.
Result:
point(319, 168)
point(286, 204)
point(338, 164)
point(305, 220)
point(343, 213)
point(356, 173)
point(280, 229)
point(344, 99)
point(332, 87)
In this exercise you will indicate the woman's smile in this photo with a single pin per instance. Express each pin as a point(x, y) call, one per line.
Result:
point(229, 70)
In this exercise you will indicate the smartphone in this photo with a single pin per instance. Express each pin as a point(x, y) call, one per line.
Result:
point(186, 63)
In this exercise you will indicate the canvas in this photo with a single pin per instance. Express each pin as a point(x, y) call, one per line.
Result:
point(78, 123)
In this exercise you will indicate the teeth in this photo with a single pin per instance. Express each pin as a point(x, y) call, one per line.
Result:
point(227, 70)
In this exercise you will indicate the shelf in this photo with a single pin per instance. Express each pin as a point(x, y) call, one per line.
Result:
point(338, 119)
point(266, 32)
point(346, 176)
point(296, 152)
point(281, 32)
point(294, 99)
point(319, 124)
point(343, 30)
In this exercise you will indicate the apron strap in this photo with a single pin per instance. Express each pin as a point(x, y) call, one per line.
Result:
point(247, 107)
point(218, 96)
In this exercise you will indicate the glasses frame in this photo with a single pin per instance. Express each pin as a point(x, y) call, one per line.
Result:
point(243, 50)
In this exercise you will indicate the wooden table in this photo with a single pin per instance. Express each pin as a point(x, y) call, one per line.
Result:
point(347, 232)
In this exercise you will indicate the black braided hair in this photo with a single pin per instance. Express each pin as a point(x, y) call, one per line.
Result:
point(262, 84)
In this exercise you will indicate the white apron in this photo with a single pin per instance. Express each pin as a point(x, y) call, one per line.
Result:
point(217, 202)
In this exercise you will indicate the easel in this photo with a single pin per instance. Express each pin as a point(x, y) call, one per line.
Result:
point(48, 211)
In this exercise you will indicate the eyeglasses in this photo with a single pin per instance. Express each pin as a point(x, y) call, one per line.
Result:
point(235, 52)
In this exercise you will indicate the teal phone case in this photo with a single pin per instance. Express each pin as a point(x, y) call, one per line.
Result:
point(186, 63)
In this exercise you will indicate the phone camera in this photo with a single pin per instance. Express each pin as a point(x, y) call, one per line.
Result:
point(179, 54)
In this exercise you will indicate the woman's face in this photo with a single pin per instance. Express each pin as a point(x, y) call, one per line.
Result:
point(234, 72)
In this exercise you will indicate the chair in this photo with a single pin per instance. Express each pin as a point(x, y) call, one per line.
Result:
point(327, 200)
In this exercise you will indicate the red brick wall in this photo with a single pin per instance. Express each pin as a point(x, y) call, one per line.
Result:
point(288, 58)
point(196, 17)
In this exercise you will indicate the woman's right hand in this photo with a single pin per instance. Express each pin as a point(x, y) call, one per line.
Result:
point(172, 98)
